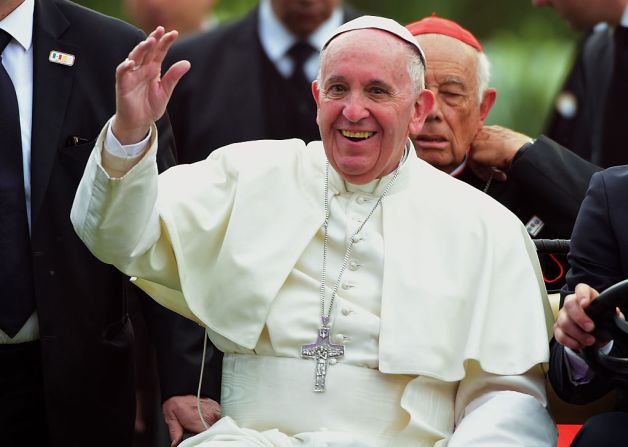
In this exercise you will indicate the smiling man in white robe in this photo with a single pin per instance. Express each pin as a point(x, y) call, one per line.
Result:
point(361, 297)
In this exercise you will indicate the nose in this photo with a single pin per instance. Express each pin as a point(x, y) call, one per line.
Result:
point(436, 113)
point(354, 109)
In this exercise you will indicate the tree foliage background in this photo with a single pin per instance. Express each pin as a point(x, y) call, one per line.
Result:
point(530, 49)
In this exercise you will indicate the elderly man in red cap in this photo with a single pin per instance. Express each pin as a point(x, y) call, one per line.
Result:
point(353, 305)
point(540, 181)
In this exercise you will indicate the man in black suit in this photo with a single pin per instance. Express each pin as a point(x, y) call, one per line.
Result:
point(66, 358)
point(251, 79)
point(539, 181)
point(598, 259)
point(590, 112)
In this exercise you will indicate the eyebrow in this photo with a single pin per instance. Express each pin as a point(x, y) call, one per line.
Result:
point(338, 78)
point(454, 81)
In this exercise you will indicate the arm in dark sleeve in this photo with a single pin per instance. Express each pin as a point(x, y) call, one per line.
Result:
point(595, 253)
point(562, 384)
point(616, 116)
point(179, 347)
point(595, 259)
point(554, 178)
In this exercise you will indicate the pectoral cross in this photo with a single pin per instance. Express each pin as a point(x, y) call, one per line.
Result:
point(321, 351)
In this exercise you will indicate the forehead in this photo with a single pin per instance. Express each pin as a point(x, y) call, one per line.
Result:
point(366, 49)
point(449, 58)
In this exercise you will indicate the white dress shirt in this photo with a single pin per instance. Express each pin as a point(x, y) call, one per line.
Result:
point(277, 40)
point(17, 60)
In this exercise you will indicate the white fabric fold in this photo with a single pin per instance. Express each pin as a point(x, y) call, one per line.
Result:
point(228, 230)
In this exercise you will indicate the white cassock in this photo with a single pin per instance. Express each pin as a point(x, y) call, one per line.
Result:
point(441, 309)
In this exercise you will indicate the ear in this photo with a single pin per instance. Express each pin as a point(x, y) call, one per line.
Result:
point(317, 97)
point(487, 103)
point(422, 108)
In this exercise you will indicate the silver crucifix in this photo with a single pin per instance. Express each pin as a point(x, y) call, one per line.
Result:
point(321, 351)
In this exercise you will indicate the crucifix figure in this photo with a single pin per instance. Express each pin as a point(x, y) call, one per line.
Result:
point(321, 351)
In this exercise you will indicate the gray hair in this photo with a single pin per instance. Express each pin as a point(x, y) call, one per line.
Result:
point(415, 68)
point(484, 74)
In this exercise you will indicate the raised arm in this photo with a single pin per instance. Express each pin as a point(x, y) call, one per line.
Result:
point(115, 213)
point(141, 92)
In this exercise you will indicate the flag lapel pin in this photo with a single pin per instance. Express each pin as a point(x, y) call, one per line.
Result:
point(61, 58)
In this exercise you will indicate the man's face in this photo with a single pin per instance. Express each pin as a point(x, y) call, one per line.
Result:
point(367, 104)
point(583, 14)
point(456, 116)
point(302, 17)
point(183, 15)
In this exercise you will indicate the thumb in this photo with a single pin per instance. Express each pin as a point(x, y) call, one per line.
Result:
point(174, 74)
point(175, 429)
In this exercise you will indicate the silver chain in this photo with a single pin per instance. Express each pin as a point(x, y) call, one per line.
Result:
point(488, 183)
point(352, 240)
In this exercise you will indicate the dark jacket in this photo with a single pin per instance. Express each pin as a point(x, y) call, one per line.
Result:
point(86, 337)
point(598, 257)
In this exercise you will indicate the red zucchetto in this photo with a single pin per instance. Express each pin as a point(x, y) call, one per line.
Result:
point(438, 25)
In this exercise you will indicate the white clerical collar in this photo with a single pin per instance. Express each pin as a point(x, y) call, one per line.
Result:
point(19, 24)
point(276, 39)
point(374, 187)
point(460, 168)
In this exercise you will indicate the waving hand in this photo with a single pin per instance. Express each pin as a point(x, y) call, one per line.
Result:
point(141, 92)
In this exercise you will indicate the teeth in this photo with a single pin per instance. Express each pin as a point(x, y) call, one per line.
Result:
point(349, 134)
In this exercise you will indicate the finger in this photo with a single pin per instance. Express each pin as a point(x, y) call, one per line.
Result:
point(123, 67)
point(158, 32)
point(570, 329)
point(566, 340)
point(574, 307)
point(163, 45)
point(620, 314)
point(586, 292)
point(161, 38)
point(499, 175)
point(174, 74)
point(138, 54)
point(175, 430)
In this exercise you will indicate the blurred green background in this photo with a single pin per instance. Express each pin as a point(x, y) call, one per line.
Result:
point(530, 49)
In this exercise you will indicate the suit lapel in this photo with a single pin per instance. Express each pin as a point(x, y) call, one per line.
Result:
point(52, 84)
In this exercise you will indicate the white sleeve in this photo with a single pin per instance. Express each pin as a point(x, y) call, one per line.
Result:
point(493, 410)
point(117, 149)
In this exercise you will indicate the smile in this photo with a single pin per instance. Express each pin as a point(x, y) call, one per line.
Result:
point(357, 136)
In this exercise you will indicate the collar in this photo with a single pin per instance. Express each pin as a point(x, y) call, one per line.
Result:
point(624, 18)
point(277, 39)
point(337, 185)
point(456, 172)
point(19, 24)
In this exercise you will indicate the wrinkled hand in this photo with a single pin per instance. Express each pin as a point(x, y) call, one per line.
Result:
point(181, 414)
point(141, 92)
point(492, 151)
